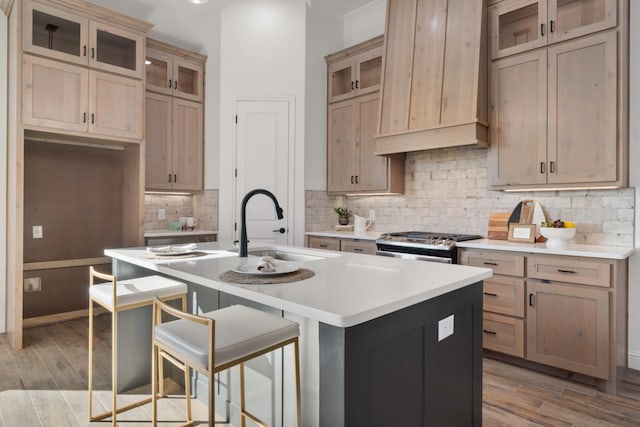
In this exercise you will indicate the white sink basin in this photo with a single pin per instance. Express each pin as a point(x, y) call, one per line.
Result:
point(290, 254)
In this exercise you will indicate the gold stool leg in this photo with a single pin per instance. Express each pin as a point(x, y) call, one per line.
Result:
point(114, 365)
point(90, 373)
point(297, 374)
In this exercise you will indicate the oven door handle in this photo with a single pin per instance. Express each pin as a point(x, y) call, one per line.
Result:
point(414, 256)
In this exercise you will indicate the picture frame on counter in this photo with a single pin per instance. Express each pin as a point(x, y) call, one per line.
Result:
point(522, 233)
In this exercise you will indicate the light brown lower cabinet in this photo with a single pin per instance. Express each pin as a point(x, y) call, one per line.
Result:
point(568, 327)
point(562, 311)
point(344, 245)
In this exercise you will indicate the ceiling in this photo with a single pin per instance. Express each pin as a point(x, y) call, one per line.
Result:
point(180, 22)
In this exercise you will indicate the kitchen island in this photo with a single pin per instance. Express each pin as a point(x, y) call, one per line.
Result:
point(383, 341)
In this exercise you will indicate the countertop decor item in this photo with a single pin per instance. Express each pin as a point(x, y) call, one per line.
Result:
point(343, 215)
point(558, 236)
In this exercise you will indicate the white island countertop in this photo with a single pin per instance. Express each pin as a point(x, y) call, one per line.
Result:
point(347, 289)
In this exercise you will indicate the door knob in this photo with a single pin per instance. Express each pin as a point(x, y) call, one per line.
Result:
point(281, 230)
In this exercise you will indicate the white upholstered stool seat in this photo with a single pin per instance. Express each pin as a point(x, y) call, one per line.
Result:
point(120, 295)
point(140, 290)
point(240, 331)
point(216, 341)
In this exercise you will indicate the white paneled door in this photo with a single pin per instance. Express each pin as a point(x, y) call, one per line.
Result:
point(262, 161)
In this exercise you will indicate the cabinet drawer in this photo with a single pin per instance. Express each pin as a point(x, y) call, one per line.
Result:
point(511, 264)
point(358, 246)
point(324, 243)
point(504, 295)
point(570, 269)
point(503, 334)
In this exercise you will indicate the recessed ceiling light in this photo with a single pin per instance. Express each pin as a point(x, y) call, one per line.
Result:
point(198, 1)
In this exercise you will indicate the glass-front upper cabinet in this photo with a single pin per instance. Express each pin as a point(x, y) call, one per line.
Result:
point(516, 26)
point(173, 75)
point(58, 34)
point(520, 25)
point(357, 75)
point(55, 33)
point(575, 18)
point(115, 50)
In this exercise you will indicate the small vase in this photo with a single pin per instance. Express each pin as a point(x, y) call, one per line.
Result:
point(343, 220)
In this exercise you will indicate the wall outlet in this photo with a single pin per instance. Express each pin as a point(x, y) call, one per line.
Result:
point(445, 328)
point(32, 284)
point(37, 232)
point(161, 213)
point(372, 214)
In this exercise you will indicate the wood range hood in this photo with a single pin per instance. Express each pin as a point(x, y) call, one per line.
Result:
point(434, 78)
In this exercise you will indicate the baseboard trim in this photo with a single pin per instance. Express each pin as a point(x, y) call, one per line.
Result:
point(634, 360)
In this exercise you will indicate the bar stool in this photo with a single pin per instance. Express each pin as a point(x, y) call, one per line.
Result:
point(116, 296)
point(217, 341)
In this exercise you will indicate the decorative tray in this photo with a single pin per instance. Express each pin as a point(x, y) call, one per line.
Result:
point(251, 267)
point(173, 250)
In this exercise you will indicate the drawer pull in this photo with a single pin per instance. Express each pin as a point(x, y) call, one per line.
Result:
point(566, 271)
point(490, 263)
point(490, 294)
point(532, 300)
point(486, 331)
point(322, 245)
point(357, 249)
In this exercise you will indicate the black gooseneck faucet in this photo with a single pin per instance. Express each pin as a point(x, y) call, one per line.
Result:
point(243, 216)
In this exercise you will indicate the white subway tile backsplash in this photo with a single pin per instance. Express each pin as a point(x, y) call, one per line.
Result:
point(446, 190)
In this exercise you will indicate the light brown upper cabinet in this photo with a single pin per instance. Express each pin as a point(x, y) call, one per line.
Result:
point(173, 74)
point(355, 71)
point(66, 97)
point(174, 152)
point(351, 165)
point(434, 87)
point(520, 25)
point(59, 34)
point(558, 128)
point(174, 118)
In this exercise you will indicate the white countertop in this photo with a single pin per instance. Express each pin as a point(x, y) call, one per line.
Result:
point(367, 235)
point(572, 249)
point(347, 289)
point(167, 233)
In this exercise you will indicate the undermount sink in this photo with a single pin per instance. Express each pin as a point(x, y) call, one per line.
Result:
point(289, 254)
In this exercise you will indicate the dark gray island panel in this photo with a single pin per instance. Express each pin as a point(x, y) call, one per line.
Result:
point(393, 371)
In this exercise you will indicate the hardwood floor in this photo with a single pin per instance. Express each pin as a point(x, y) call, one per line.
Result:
point(45, 385)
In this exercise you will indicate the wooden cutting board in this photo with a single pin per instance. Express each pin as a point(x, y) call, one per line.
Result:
point(498, 225)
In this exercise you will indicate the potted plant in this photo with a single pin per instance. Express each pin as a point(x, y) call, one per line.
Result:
point(343, 215)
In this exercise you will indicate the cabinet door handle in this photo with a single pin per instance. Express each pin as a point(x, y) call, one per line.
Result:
point(84, 117)
point(84, 50)
point(93, 118)
point(490, 263)
point(490, 294)
point(541, 167)
point(175, 84)
point(532, 300)
point(352, 85)
point(486, 331)
point(357, 84)
point(93, 52)
point(352, 179)
point(552, 26)
point(552, 167)
point(357, 179)
point(170, 83)
point(542, 29)
point(169, 178)
point(566, 271)
point(175, 178)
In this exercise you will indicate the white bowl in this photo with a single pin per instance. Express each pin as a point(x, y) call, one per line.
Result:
point(557, 236)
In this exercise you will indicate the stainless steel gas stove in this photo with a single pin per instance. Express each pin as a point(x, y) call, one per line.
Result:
point(422, 245)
